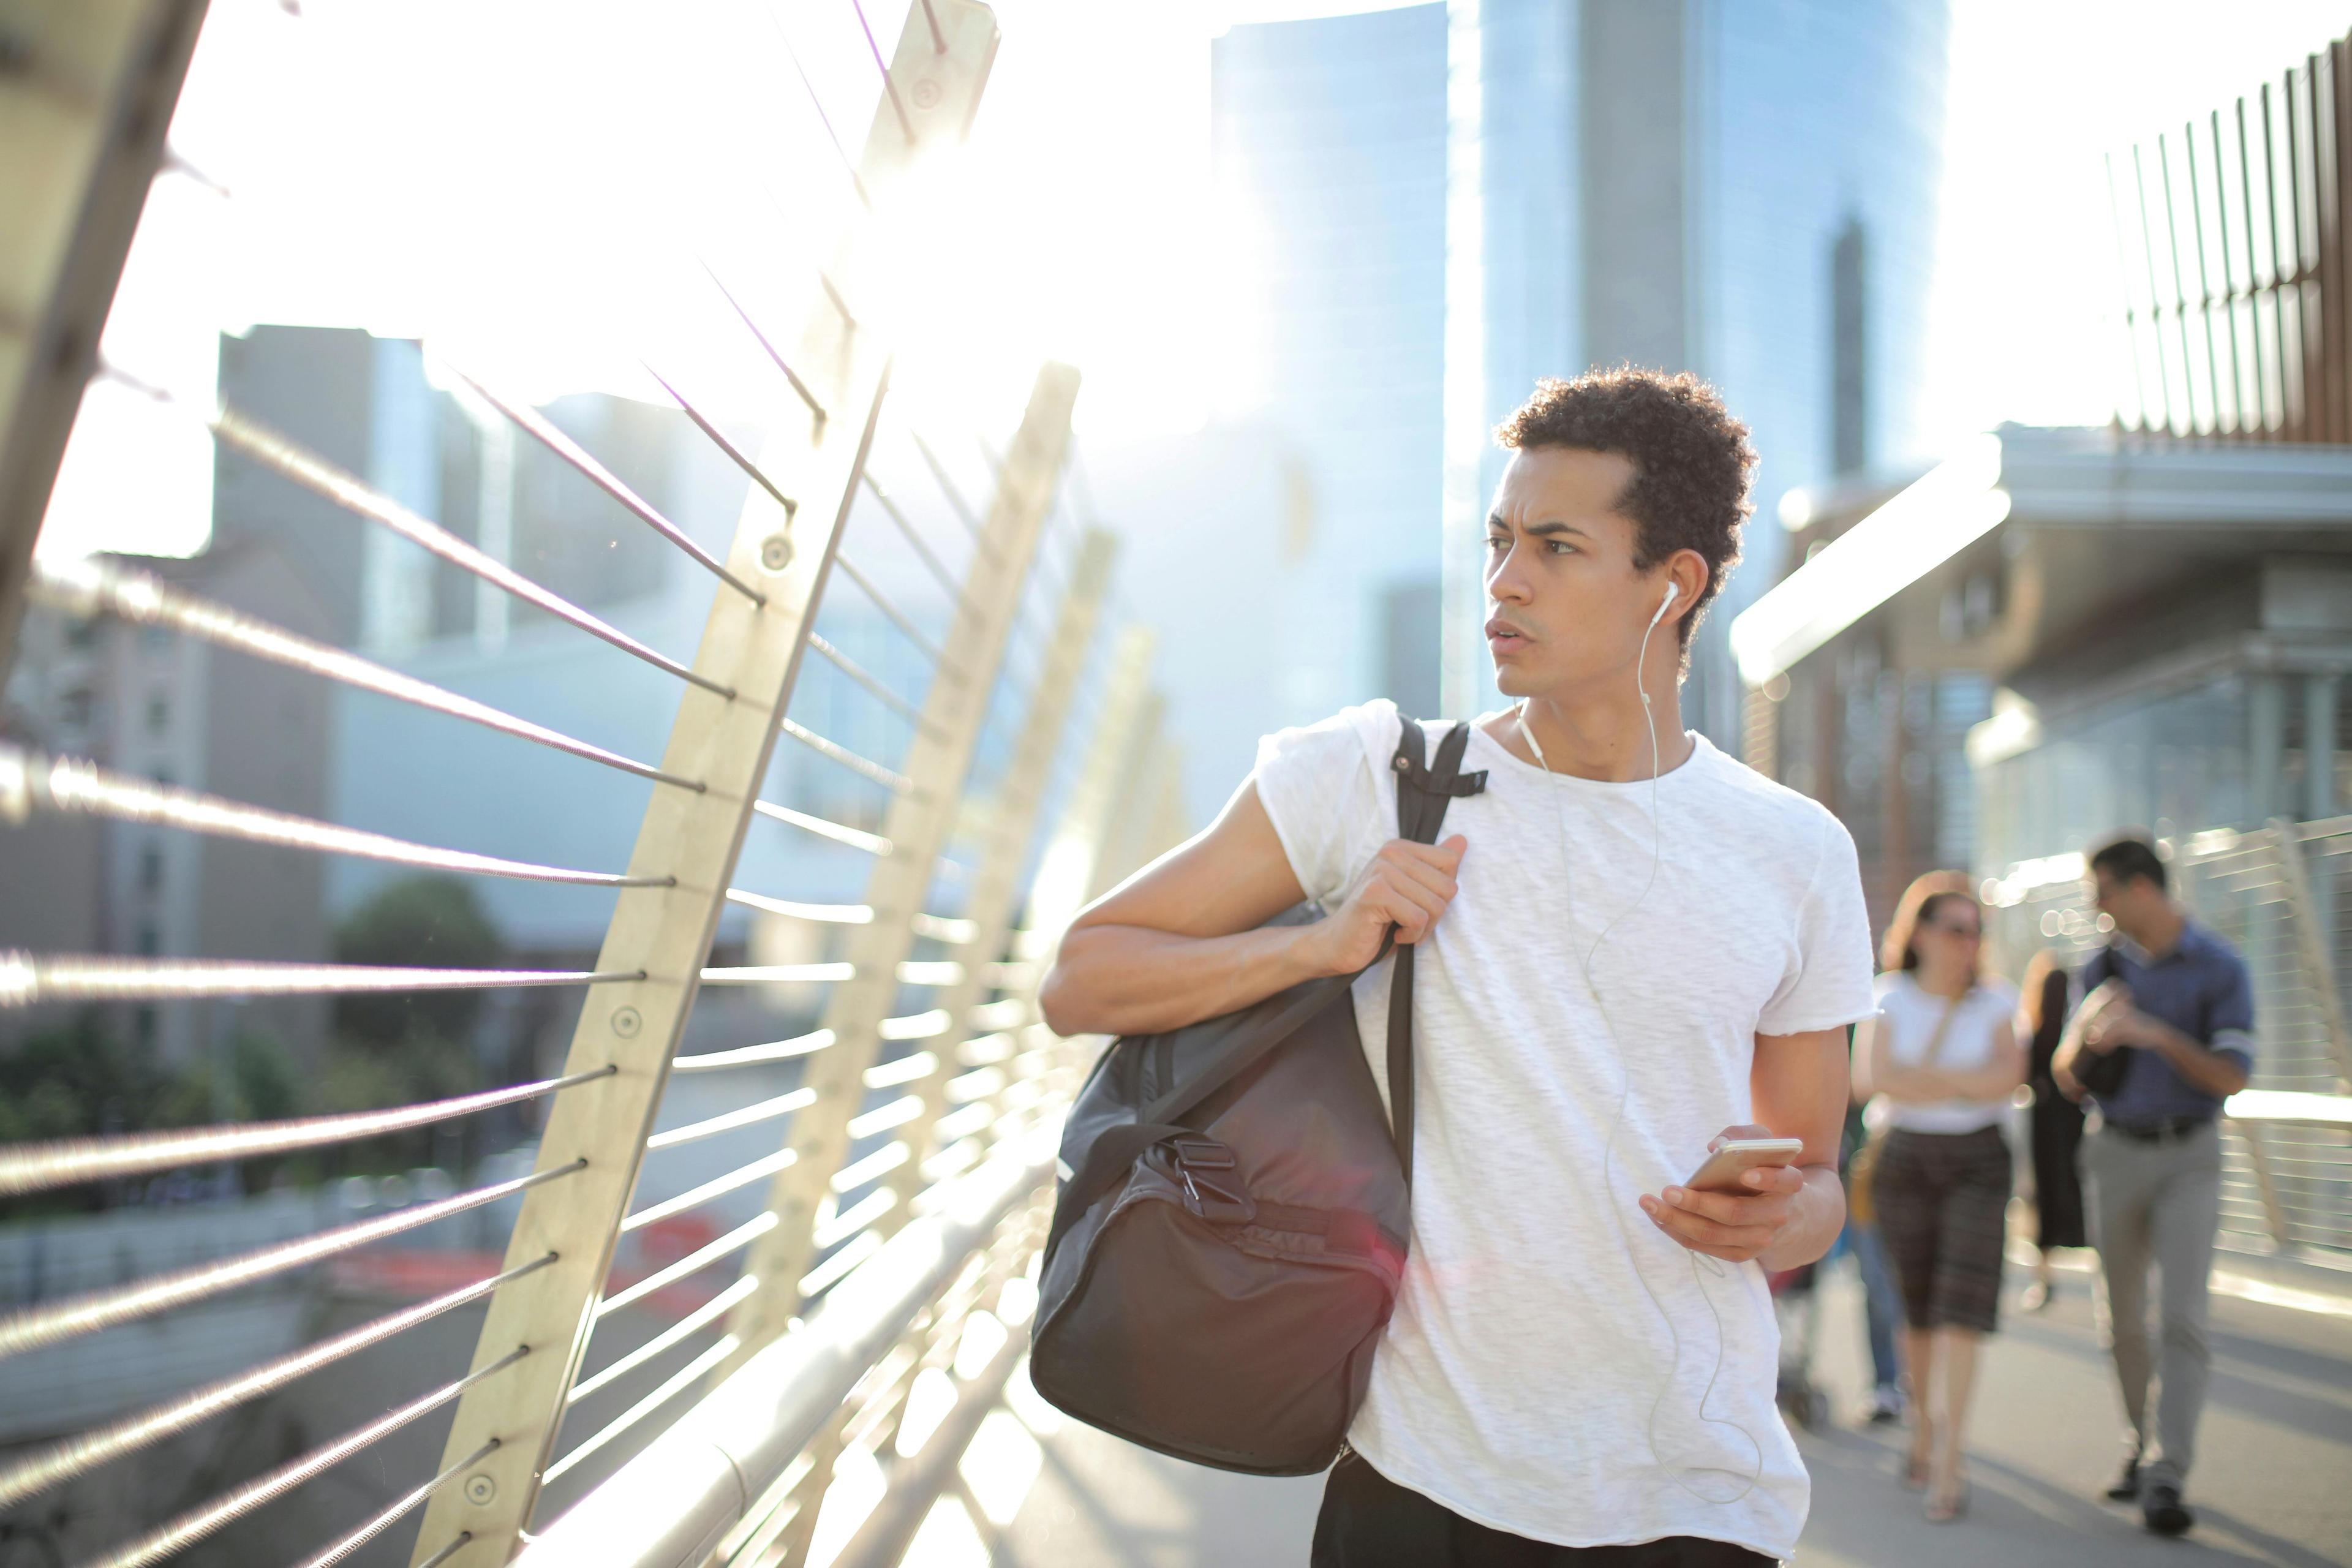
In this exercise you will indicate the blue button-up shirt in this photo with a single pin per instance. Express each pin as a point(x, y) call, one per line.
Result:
point(2200, 988)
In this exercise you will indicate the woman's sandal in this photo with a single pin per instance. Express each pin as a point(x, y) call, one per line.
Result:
point(1945, 1510)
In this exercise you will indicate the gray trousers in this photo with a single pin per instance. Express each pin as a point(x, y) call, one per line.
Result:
point(2155, 1202)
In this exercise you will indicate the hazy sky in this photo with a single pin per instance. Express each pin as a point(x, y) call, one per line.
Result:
point(535, 185)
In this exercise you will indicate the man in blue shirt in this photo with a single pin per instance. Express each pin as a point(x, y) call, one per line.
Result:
point(2164, 1035)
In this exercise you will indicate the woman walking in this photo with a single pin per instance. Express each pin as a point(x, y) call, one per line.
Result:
point(2056, 1125)
point(1941, 1060)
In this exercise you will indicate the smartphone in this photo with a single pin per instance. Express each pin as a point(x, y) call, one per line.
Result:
point(1723, 1169)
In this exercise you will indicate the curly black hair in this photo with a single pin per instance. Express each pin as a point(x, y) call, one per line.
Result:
point(1691, 460)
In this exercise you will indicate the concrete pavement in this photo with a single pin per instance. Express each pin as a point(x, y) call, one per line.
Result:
point(2273, 1484)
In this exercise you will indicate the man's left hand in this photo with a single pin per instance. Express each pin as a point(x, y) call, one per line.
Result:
point(1735, 1226)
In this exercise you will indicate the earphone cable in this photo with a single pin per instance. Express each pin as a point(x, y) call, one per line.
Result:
point(1608, 1149)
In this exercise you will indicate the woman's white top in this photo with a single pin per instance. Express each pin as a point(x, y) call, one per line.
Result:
point(1907, 1017)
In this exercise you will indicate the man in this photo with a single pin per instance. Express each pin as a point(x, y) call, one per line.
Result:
point(1628, 951)
point(2172, 996)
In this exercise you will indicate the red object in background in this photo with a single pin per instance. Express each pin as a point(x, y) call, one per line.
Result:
point(414, 1274)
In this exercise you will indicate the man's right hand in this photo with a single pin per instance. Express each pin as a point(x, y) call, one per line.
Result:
point(2105, 1010)
point(1406, 885)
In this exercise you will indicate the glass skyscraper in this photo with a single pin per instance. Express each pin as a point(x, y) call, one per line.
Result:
point(1452, 201)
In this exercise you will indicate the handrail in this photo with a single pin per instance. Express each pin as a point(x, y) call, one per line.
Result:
point(2289, 1106)
point(717, 1458)
point(885, 1147)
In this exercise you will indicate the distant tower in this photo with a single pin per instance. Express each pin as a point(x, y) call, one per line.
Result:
point(1329, 142)
point(1670, 183)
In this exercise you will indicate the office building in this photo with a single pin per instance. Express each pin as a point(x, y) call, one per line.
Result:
point(1440, 203)
point(177, 712)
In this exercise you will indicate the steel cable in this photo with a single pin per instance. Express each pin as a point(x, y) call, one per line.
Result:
point(31, 1328)
point(896, 616)
point(719, 439)
point(69, 1457)
point(197, 1523)
point(728, 1121)
point(956, 502)
point(922, 550)
point(829, 914)
point(685, 1327)
point(695, 1198)
point(38, 1167)
point(873, 684)
point(27, 979)
point(678, 1384)
point(777, 973)
point(541, 429)
point(835, 751)
point(751, 1056)
point(91, 587)
point(70, 785)
point(292, 461)
point(694, 1262)
point(888, 86)
point(815, 408)
point(856, 839)
point(401, 1505)
point(856, 182)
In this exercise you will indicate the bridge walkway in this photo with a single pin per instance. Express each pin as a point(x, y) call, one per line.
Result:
point(2272, 1486)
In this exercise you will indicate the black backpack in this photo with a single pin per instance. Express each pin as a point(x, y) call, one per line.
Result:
point(1230, 1233)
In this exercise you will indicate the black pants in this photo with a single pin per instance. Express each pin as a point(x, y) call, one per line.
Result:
point(1370, 1522)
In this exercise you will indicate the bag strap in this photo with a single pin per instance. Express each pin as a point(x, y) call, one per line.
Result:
point(1422, 793)
point(1942, 1028)
point(1421, 797)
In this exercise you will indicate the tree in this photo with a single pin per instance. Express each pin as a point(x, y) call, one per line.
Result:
point(423, 921)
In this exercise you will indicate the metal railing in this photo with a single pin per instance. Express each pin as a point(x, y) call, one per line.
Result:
point(910, 1162)
point(2281, 895)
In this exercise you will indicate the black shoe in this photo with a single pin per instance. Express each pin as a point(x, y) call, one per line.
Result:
point(2126, 1487)
point(2165, 1512)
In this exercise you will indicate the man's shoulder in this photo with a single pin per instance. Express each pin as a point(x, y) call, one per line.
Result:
point(2210, 949)
point(1332, 756)
point(1779, 816)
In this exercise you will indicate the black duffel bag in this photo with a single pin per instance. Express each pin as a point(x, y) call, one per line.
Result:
point(1230, 1233)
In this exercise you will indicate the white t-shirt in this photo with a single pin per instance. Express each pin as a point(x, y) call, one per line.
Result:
point(1910, 1018)
point(1538, 1332)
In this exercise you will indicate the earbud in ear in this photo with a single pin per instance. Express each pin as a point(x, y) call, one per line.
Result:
point(1665, 603)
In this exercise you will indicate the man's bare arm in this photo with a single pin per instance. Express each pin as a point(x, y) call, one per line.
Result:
point(2205, 1069)
point(1797, 1085)
point(1178, 942)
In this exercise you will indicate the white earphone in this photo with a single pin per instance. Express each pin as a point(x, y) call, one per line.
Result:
point(1609, 1150)
point(1673, 590)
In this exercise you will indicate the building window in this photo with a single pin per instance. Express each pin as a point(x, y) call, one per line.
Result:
point(149, 942)
point(143, 1025)
point(151, 869)
point(1849, 350)
point(158, 713)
